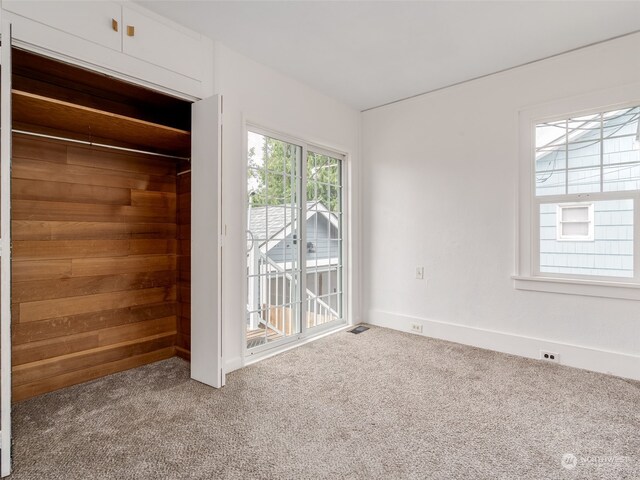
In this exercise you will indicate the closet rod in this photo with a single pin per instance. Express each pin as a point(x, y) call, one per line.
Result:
point(101, 145)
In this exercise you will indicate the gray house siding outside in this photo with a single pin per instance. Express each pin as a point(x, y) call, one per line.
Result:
point(322, 242)
point(609, 254)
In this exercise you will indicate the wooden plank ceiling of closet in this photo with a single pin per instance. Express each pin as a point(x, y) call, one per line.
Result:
point(50, 97)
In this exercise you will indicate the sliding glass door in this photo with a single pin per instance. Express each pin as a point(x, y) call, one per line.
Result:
point(273, 240)
point(323, 295)
point(294, 240)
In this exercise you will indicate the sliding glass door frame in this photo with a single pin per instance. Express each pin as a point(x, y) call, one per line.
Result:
point(302, 215)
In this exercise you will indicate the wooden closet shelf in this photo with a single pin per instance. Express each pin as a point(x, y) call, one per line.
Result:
point(33, 109)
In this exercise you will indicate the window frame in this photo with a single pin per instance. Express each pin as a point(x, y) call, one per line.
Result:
point(560, 236)
point(527, 274)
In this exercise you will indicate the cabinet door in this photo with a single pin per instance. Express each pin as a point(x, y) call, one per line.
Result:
point(160, 44)
point(93, 21)
point(5, 251)
point(206, 248)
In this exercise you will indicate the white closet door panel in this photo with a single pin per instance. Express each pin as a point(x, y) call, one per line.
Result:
point(91, 21)
point(206, 244)
point(161, 44)
point(5, 252)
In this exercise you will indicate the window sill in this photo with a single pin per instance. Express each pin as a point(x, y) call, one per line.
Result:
point(590, 288)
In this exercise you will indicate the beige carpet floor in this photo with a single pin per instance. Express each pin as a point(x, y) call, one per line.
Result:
point(379, 405)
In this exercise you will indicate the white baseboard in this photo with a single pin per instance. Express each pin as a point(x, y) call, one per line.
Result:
point(232, 364)
point(597, 360)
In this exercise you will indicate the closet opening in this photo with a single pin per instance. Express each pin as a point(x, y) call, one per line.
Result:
point(100, 225)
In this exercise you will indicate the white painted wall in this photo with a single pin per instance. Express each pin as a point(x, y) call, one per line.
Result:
point(439, 189)
point(259, 95)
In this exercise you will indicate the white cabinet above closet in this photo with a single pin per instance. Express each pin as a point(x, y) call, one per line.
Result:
point(120, 39)
point(160, 44)
point(97, 22)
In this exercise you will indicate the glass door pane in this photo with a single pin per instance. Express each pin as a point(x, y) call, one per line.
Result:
point(273, 240)
point(323, 296)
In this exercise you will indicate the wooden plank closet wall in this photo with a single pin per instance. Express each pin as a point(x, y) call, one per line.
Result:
point(95, 273)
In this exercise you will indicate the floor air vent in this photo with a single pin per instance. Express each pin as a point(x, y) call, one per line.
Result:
point(359, 329)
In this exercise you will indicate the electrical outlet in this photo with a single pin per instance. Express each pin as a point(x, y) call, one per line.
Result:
point(549, 356)
point(420, 273)
point(416, 327)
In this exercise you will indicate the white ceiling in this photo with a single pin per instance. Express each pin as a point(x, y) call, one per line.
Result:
point(370, 53)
